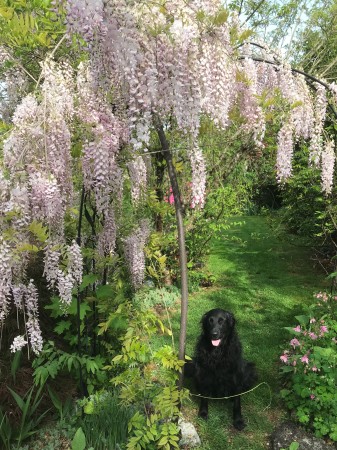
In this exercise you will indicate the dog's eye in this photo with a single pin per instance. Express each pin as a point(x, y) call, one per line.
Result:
point(211, 320)
point(220, 321)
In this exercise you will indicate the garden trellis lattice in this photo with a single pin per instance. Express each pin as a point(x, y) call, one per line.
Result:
point(149, 66)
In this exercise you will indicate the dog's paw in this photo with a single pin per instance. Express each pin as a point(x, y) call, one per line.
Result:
point(203, 414)
point(239, 424)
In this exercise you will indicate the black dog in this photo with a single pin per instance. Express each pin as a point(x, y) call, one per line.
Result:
point(218, 366)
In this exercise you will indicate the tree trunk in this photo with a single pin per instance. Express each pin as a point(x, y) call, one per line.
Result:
point(160, 170)
point(181, 241)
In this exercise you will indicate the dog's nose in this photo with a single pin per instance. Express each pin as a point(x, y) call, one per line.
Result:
point(214, 335)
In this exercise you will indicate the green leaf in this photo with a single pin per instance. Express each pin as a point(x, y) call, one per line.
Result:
point(20, 402)
point(26, 247)
point(39, 231)
point(55, 399)
point(303, 320)
point(55, 307)
point(221, 18)
point(294, 446)
point(89, 408)
point(78, 443)
point(105, 292)
point(88, 280)
point(84, 308)
point(62, 326)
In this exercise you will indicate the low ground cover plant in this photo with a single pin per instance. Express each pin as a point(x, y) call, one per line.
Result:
point(310, 368)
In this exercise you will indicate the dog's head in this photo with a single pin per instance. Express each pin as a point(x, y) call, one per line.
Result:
point(218, 326)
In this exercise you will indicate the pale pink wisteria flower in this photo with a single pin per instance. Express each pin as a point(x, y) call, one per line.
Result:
point(312, 320)
point(297, 329)
point(312, 396)
point(313, 336)
point(295, 343)
point(314, 369)
point(324, 329)
point(327, 166)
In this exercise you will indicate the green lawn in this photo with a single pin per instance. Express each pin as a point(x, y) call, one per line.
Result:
point(263, 277)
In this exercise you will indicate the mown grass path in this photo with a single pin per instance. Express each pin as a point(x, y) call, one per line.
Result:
point(263, 277)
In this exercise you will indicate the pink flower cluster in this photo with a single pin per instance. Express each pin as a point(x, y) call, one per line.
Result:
point(302, 345)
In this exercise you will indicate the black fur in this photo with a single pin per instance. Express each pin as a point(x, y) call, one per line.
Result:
point(221, 371)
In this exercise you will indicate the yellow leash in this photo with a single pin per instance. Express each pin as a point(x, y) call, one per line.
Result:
point(238, 395)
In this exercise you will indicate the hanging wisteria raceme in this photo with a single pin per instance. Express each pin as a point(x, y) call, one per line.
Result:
point(19, 295)
point(52, 256)
point(249, 108)
point(134, 253)
point(107, 237)
point(13, 89)
point(137, 171)
point(267, 78)
point(32, 312)
point(64, 281)
point(198, 176)
point(75, 262)
point(320, 106)
point(5, 278)
point(303, 113)
point(285, 149)
point(328, 159)
point(101, 173)
point(18, 343)
point(46, 200)
point(58, 111)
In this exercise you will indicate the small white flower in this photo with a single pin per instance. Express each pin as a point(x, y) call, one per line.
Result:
point(18, 343)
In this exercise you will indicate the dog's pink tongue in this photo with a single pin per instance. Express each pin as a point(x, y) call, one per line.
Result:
point(216, 342)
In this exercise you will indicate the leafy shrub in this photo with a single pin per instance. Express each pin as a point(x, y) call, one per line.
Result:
point(302, 198)
point(310, 368)
point(147, 380)
point(52, 361)
point(148, 297)
point(199, 278)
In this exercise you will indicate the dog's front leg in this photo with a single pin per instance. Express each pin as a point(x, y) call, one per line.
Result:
point(203, 408)
point(238, 421)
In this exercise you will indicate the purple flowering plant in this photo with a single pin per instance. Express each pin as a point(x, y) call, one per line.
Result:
point(309, 367)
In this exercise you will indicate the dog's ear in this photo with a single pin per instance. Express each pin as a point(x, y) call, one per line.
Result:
point(204, 321)
point(231, 320)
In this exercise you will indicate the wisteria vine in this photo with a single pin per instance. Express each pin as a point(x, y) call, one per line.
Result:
point(177, 62)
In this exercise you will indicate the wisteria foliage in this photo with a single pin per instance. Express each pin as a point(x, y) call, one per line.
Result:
point(173, 60)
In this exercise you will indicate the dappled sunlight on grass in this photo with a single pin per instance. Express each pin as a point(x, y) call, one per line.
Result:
point(264, 278)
